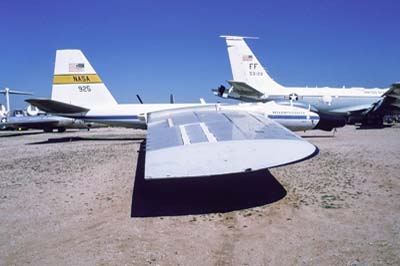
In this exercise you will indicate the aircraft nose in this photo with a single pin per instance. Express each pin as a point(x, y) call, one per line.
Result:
point(314, 117)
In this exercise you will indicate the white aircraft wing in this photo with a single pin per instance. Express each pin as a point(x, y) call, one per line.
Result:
point(207, 141)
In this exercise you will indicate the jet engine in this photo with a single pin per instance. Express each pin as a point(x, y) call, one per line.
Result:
point(327, 122)
point(219, 91)
point(32, 110)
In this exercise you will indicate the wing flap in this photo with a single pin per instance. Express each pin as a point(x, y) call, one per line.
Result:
point(208, 141)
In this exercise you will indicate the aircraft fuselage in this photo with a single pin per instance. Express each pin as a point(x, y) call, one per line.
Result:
point(327, 100)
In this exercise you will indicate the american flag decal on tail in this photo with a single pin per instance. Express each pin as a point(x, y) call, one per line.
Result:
point(247, 58)
point(76, 67)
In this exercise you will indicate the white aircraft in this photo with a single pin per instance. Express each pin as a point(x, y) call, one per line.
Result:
point(336, 106)
point(79, 93)
point(184, 140)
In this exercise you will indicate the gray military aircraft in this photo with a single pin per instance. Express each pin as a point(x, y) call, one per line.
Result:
point(335, 106)
point(45, 122)
point(33, 118)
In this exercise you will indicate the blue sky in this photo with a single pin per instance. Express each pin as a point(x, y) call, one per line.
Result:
point(154, 48)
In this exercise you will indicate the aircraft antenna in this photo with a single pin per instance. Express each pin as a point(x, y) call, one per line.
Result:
point(140, 99)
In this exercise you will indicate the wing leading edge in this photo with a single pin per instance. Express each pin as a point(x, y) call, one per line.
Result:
point(208, 141)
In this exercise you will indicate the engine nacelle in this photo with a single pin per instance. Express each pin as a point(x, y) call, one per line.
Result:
point(219, 91)
point(327, 122)
point(32, 110)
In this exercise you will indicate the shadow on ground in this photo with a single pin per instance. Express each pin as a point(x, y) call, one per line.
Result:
point(318, 136)
point(202, 195)
point(74, 139)
point(369, 127)
point(18, 134)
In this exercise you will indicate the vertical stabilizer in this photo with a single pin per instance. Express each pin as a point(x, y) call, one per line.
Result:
point(246, 67)
point(76, 82)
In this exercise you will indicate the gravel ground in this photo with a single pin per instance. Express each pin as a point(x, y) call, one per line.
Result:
point(78, 198)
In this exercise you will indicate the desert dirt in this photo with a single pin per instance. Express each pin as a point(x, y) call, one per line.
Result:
point(79, 198)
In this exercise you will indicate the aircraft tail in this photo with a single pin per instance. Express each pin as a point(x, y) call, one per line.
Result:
point(246, 67)
point(76, 82)
point(3, 111)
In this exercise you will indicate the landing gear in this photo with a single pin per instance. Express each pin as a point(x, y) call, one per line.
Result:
point(61, 129)
point(334, 132)
point(48, 130)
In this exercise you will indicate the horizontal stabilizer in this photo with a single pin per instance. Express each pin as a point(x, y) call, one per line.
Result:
point(208, 141)
point(56, 107)
point(243, 89)
point(15, 92)
point(231, 37)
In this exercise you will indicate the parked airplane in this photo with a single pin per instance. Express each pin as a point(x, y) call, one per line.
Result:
point(33, 118)
point(183, 140)
point(336, 106)
point(79, 93)
point(46, 122)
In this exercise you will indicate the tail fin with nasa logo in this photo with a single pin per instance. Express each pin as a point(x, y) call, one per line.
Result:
point(77, 83)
